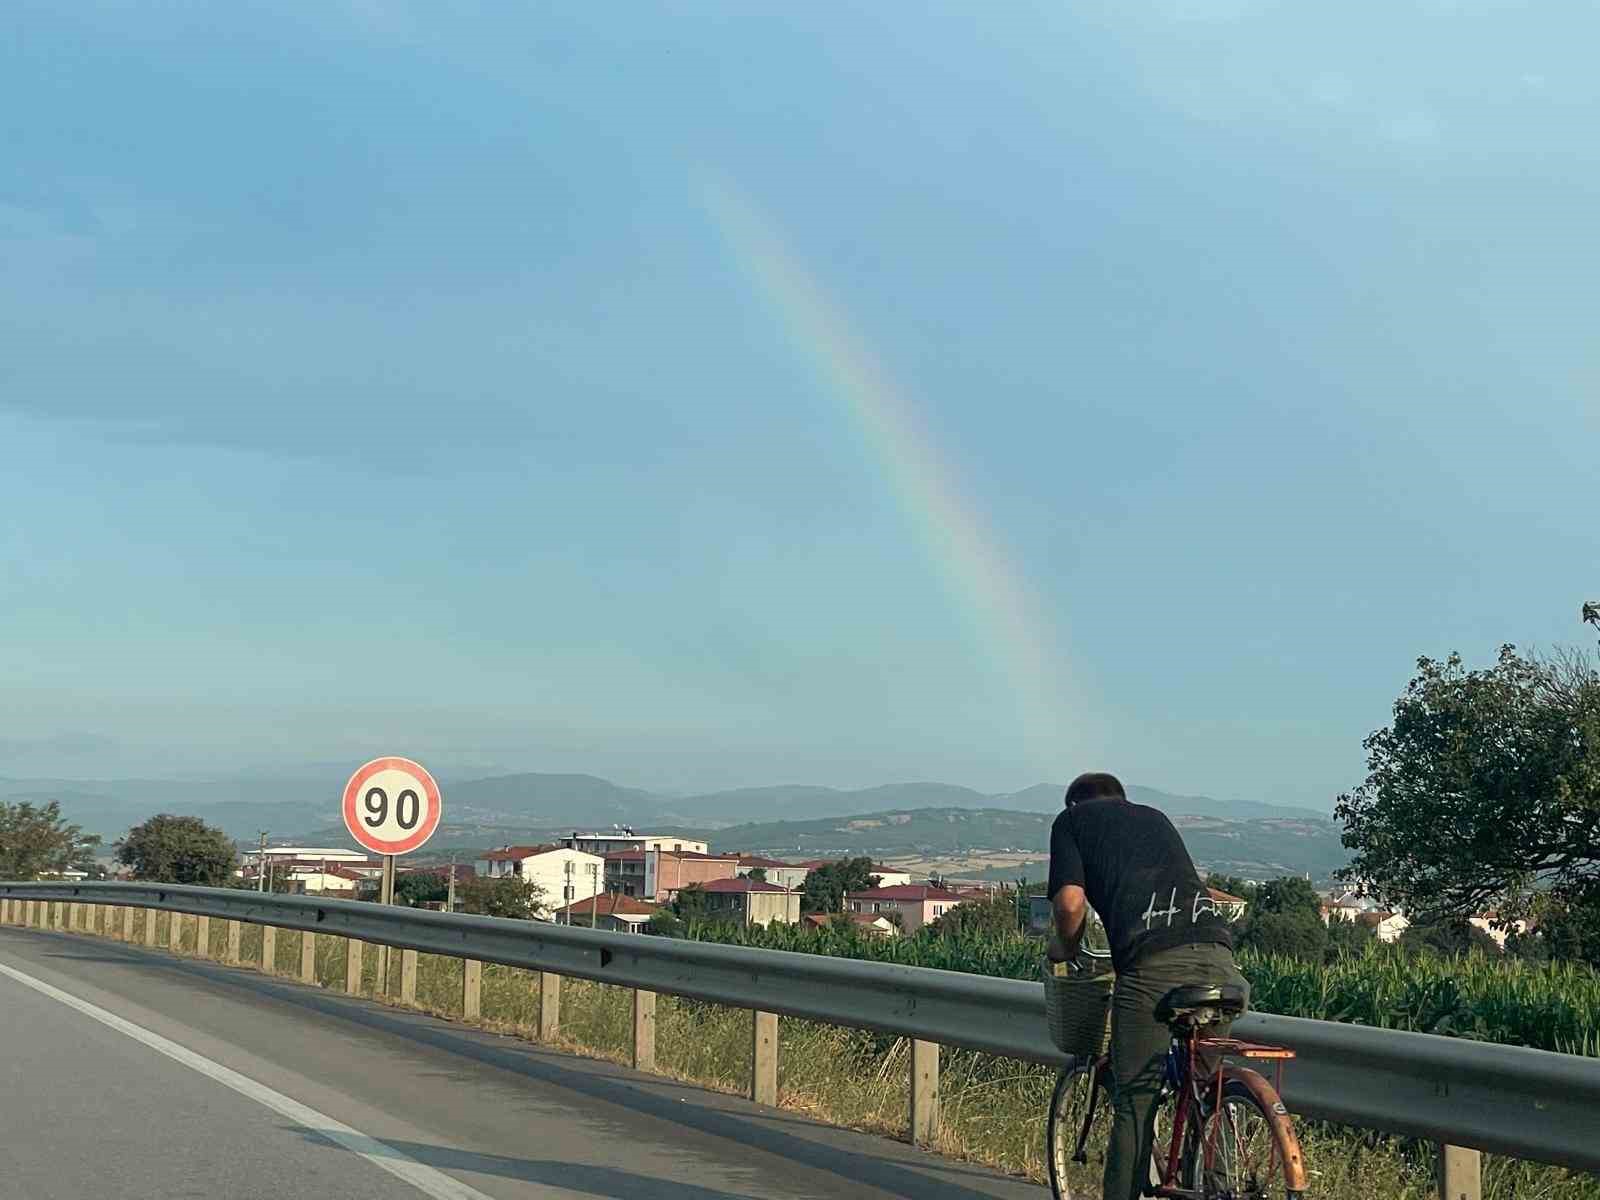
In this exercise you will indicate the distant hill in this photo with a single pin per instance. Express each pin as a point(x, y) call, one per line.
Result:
point(1260, 848)
point(531, 805)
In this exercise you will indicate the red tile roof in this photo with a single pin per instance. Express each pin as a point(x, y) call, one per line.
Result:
point(907, 891)
point(517, 853)
point(611, 904)
point(1225, 898)
point(741, 885)
point(755, 860)
point(626, 855)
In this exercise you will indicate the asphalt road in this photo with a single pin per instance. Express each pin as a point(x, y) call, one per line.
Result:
point(132, 1073)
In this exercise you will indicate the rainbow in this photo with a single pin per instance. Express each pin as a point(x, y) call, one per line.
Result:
point(1004, 616)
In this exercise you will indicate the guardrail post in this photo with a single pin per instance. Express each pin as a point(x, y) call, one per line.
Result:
point(231, 955)
point(308, 956)
point(408, 977)
point(127, 923)
point(149, 927)
point(549, 1006)
point(74, 917)
point(764, 1059)
point(1460, 1173)
point(352, 966)
point(644, 1030)
point(924, 1092)
point(269, 949)
point(202, 937)
point(471, 989)
point(175, 932)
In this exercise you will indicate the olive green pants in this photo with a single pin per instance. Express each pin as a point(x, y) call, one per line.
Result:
point(1139, 1052)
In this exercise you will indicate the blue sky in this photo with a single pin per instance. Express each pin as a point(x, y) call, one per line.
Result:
point(375, 378)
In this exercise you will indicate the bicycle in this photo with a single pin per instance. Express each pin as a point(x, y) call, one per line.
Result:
point(1231, 1137)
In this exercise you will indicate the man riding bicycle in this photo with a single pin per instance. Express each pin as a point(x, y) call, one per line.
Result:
point(1165, 931)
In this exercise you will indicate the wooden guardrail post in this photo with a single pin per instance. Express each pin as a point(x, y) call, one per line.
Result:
point(644, 1030)
point(408, 977)
point(269, 949)
point(549, 1006)
point(1460, 1173)
point(149, 927)
point(231, 954)
point(352, 966)
point(127, 923)
point(202, 937)
point(74, 917)
point(924, 1092)
point(308, 956)
point(471, 989)
point(764, 1058)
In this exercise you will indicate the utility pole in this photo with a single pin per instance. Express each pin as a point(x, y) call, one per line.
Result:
point(594, 894)
point(261, 863)
point(450, 888)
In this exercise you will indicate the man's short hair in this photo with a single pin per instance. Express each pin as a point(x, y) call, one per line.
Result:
point(1094, 785)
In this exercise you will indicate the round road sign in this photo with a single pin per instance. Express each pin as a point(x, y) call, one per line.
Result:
point(391, 805)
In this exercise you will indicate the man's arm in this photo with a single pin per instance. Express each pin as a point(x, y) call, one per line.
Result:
point(1070, 907)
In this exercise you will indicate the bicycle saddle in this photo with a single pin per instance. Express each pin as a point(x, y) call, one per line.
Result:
point(1186, 1001)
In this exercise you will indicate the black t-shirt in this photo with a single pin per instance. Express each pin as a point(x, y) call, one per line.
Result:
point(1138, 875)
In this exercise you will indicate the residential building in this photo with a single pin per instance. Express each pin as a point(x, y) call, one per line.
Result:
point(872, 924)
point(916, 905)
point(886, 876)
point(335, 881)
point(623, 838)
point(562, 875)
point(1230, 906)
point(751, 901)
point(1387, 925)
point(783, 874)
point(610, 910)
point(1489, 923)
point(630, 871)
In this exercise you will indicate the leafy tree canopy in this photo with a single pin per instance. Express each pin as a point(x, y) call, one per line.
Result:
point(506, 897)
point(827, 886)
point(34, 840)
point(1485, 789)
point(416, 888)
point(690, 902)
point(994, 917)
point(175, 849)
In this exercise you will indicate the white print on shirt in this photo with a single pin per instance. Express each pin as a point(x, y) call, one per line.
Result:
point(1151, 913)
point(1198, 907)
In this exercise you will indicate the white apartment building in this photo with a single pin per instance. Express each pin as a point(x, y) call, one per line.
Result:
point(623, 838)
point(563, 874)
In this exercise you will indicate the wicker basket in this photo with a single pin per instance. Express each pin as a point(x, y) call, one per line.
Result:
point(1078, 1009)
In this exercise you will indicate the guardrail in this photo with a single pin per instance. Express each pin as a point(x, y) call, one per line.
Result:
point(1467, 1096)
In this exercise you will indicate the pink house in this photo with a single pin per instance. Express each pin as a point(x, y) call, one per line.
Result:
point(916, 904)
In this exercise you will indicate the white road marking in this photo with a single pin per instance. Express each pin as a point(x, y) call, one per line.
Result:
point(436, 1185)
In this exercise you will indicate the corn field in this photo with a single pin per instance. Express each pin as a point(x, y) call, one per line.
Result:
point(1550, 1006)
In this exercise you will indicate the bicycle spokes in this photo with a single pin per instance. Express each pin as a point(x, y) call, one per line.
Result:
point(1239, 1152)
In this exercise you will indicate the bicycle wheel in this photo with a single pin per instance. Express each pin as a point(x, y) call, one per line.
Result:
point(1240, 1156)
point(1072, 1175)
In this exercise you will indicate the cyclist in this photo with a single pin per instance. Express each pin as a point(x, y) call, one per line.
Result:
point(1165, 931)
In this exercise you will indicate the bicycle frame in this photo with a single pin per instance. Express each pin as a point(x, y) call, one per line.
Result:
point(1183, 1079)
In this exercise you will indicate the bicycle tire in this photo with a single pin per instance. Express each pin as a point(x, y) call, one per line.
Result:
point(1072, 1180)
point(1245, 1152)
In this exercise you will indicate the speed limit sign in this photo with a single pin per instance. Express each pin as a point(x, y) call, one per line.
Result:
point(391, 805)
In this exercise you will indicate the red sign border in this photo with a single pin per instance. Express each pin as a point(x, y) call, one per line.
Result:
point(391, 763)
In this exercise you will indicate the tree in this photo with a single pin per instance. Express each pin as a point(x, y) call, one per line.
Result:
point(416, 888)
point(508, 896)
point(179, 850)
point(1485, 789)
point(827, 886)
point(1284, 917)
point(1348, 937)
point(690, 902)
point(757, 874)
point(1231, 884)
point(992, 917)
point(1452, 935)
point(34, 839)
point(665, 924)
